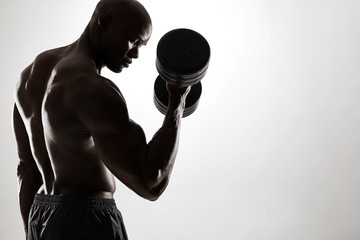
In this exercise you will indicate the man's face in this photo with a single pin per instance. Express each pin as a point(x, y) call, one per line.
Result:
point(123, 41)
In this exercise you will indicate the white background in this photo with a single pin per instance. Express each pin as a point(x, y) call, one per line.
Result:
point(273, 150)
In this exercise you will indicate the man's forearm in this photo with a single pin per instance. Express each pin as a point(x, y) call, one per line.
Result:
point(163, 147)
point(29, 184)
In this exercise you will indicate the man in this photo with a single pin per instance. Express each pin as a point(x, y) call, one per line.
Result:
point(74, 133)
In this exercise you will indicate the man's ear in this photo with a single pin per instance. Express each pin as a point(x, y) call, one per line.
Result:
point(103, 21)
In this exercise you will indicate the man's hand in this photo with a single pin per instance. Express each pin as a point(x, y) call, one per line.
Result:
point(172, 89)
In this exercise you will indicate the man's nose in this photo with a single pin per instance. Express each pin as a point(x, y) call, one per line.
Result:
point(134, 52)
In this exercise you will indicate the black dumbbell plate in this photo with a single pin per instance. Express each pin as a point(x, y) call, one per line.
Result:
point(182, 57)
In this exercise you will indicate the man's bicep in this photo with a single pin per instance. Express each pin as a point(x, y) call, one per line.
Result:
point(120, 142)
point(124, 153)
point(123, 148)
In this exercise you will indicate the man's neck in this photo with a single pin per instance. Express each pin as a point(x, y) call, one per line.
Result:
point(86, 45)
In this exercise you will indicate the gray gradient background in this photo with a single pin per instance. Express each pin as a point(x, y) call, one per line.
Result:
point(272, 151)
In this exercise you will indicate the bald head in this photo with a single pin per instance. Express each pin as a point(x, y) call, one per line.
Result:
point(109, 5)
point(122, 10)
point(118, 29)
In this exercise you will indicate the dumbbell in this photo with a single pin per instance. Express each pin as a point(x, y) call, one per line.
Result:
point(182, 60)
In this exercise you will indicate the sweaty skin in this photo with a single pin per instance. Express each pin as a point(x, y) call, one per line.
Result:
point(72, 126)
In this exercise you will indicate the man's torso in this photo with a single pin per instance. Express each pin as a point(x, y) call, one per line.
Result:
point(61, 145)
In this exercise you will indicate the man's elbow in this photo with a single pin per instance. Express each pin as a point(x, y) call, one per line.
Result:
point(157, 190)
point(153, 198)
point(22, 169)
point(151, 193)
point(30, 172)
point(148, 195)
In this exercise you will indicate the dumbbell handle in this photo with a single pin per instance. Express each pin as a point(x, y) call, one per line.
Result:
point(161, 97)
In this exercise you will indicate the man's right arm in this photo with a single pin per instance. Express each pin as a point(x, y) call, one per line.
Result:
point(121, 143)
point(29, 176)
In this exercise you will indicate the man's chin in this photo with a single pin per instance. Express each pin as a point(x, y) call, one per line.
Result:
point(115, 69)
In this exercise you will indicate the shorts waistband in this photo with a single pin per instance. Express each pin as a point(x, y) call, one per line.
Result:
point(75, 201)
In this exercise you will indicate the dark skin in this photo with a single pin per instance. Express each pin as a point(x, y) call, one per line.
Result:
point(72, 126)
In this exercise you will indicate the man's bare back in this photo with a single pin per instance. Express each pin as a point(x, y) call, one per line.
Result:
point(72, 126)
point(75, 163)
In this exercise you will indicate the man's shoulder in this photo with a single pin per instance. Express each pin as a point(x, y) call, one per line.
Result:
point(78, 75)
point(33, 79)
point(48, 57)
point(92, 97)
point(85, 88)
point(40, 62)
point(84, 96)
point(88, 83)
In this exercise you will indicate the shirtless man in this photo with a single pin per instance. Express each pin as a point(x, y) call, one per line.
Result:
point(74, 133)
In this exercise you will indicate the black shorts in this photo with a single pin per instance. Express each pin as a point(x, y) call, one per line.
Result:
point(70, 218)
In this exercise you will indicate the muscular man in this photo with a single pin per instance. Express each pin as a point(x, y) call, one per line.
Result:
point(74, 133)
